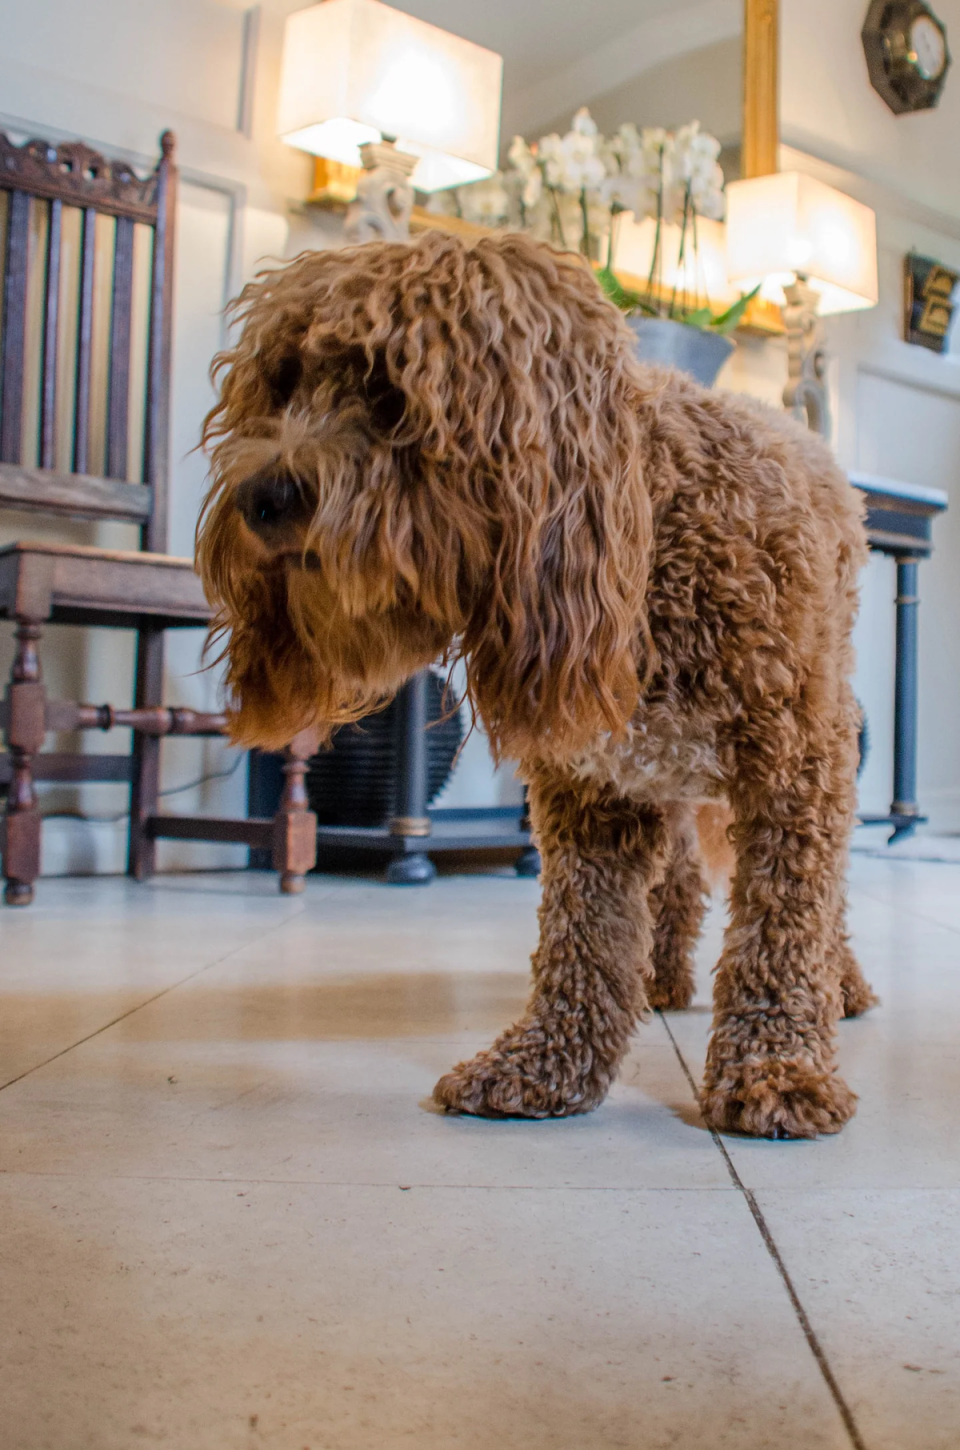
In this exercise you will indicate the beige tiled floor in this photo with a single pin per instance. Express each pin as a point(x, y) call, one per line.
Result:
point(230, 1219)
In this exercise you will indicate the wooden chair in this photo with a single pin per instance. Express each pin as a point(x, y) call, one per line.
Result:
point(147, 591)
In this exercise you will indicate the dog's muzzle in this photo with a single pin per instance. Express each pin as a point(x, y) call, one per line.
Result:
point(273, 506)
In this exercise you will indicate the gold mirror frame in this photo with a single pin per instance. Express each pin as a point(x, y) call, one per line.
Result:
point(760, 138)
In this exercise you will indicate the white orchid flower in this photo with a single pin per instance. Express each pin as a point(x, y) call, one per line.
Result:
point(525, 163)
point(551, 158)
point(707, 196)
point(533, 188)
point(583, 123)
point(569, 188)
point(485, 202)
point(521, 158)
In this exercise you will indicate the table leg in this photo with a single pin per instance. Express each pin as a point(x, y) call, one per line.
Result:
point(528, 862)
point(905, 701)
point(412, 868)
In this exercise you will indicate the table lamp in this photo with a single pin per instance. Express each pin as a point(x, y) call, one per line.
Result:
point(812, 250)
point(368, 86)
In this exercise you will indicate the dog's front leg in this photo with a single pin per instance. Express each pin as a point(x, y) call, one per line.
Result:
point(601, 857)
point(779, 988)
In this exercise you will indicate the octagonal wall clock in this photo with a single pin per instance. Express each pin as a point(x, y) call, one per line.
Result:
point(907, 56)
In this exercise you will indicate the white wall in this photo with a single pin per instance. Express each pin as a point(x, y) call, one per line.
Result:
point(829, 109)
point(117, 72)
point(703, 84)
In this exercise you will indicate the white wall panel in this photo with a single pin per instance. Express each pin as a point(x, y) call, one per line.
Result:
point(829, 108)
point(183, 55)
point(913, 433)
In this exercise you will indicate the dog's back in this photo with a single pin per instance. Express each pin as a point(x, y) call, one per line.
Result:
point(758, 541)
point(752, 461)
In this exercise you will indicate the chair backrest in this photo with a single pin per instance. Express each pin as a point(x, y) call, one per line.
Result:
point(86, 333)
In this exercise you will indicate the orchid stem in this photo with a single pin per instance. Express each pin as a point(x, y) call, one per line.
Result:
point(556, 217)
point(651, 286)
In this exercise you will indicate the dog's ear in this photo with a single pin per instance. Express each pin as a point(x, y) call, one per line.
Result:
point(257, 377)
point(522, 390)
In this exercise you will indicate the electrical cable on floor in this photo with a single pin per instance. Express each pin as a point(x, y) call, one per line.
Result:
point(124, 815)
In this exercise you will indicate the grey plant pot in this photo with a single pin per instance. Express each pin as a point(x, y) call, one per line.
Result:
point(675, 344)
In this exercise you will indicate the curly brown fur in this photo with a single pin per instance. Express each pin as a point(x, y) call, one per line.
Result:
point(677, 904)
point(652, 588)
point(601, 857)
point(770, 1070)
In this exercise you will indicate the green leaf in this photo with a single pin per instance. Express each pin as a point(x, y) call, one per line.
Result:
point(702, 317)
point(727, 321)
point(613, 288)
point(621, 296)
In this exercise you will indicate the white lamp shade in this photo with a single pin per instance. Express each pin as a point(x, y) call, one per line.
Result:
point(788, 224)
point(701, 275)
point(357, 70)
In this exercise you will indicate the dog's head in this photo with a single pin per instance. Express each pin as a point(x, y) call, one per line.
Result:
point(428, 449)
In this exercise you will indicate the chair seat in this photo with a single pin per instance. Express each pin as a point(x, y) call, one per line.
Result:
point(76, 584)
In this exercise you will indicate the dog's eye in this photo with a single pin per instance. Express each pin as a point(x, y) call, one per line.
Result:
point(284, 379)
point(387, 408)
point(272, 500)
point(385, 403)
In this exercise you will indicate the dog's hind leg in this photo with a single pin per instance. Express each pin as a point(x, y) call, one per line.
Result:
point(858, 995)
point(770, 1065)
point(602, 855)
point(678, 903)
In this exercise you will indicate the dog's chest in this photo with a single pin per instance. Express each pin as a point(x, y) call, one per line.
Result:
point(661, 758)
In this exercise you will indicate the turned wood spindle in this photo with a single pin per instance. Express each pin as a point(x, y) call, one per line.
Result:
point(295, 826)
point(25, 732)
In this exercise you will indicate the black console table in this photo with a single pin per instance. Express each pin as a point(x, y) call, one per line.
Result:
point(415, 834)
point(899, 518)
point(409, 841)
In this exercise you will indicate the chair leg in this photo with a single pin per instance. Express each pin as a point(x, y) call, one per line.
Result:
point(26, 726)
point(145, 789)
point(295, 825)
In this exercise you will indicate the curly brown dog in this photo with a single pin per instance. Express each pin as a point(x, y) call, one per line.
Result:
point(433, 449)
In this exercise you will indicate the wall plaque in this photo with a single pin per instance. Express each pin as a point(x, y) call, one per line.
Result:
point(929, 289)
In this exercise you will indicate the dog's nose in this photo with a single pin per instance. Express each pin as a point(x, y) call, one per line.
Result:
point(271, 502)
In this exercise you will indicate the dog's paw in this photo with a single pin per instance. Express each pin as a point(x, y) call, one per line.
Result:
point(777, 1100)
point(858, 995)
point(671, 996)
point(523, 1075)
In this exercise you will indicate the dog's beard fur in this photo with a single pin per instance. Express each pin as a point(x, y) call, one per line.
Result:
point(325, 622)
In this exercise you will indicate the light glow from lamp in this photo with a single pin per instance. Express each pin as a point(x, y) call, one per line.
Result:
point(700, 278)
point(786, 224)
point(358, 70)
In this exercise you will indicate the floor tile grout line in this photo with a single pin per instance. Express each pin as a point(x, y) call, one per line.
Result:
point(49, 1174)
point(122, 1016)
point(809, 1333)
